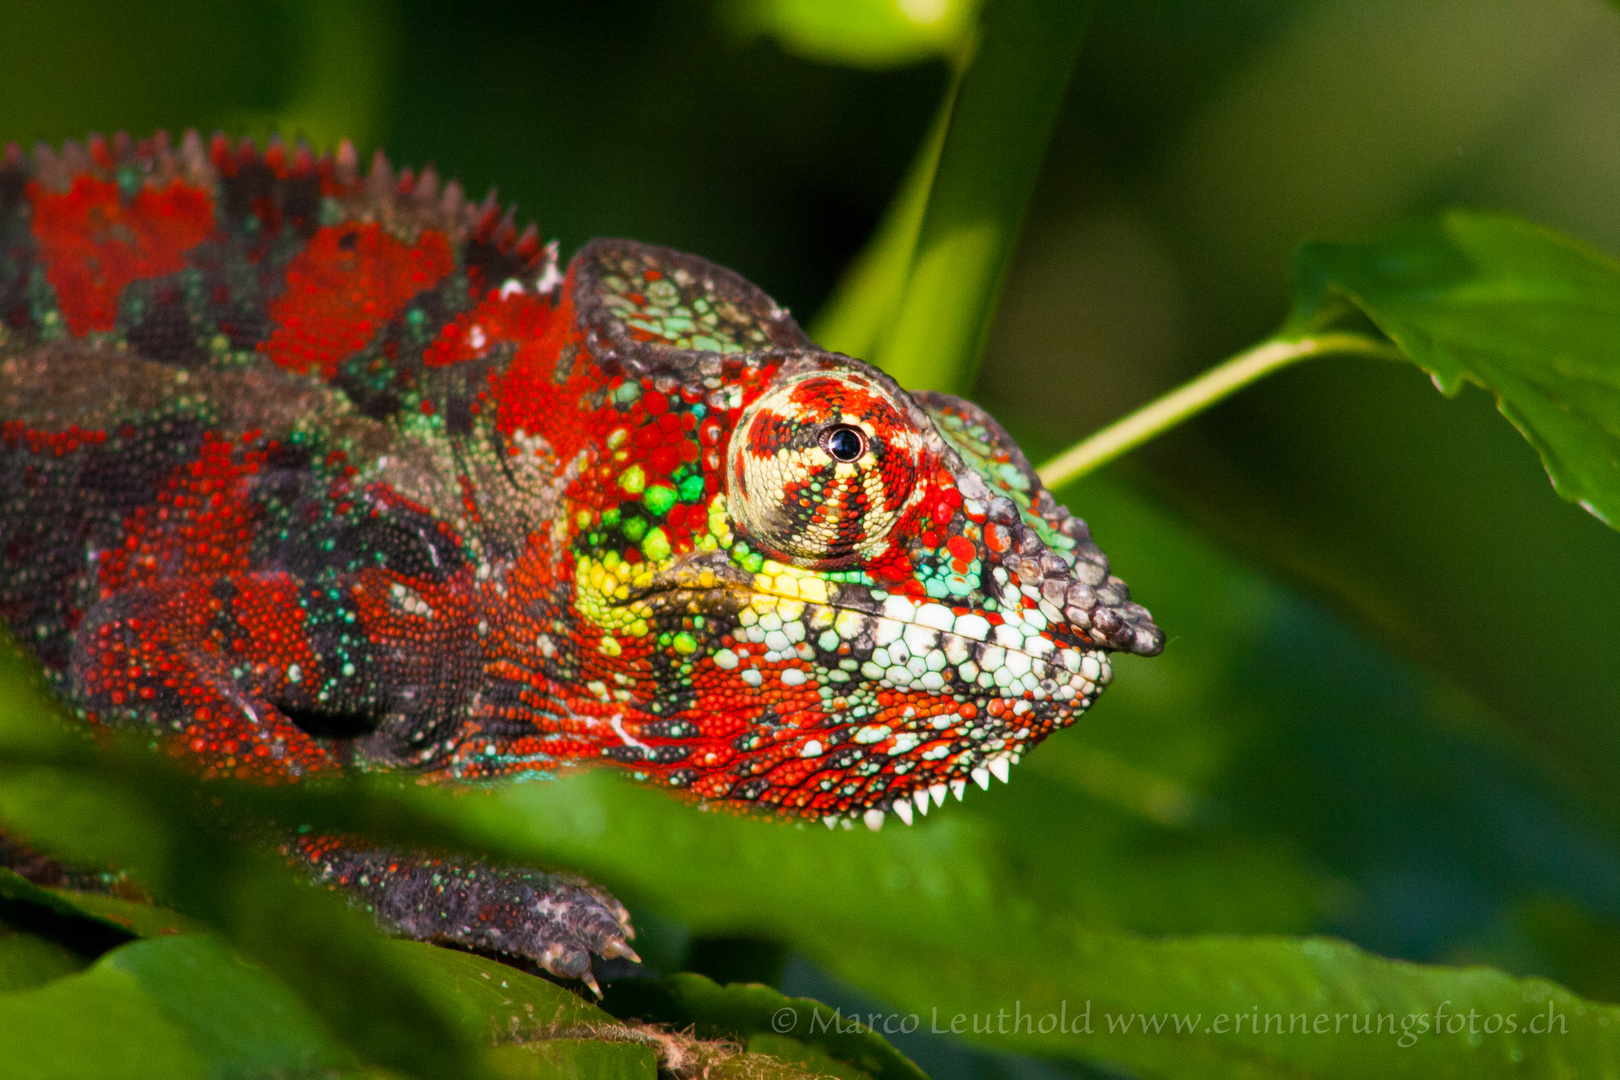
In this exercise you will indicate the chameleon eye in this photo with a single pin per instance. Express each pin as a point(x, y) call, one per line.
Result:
point(843, 442)
point(821, 469)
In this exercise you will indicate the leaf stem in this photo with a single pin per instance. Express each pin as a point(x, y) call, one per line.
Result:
point(1217, 383)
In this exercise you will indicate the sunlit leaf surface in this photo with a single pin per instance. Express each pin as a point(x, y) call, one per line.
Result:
point(1523, 312)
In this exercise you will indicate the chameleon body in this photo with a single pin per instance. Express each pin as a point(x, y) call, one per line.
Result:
point(305, 468)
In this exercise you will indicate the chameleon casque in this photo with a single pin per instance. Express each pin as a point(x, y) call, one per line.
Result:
point(305, 468)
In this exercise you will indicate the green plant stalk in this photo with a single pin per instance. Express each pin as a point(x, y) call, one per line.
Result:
point(863, 304)
point(993, 148)
point(1189, 400)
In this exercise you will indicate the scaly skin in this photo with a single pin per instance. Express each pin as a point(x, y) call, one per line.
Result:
point(303, 470)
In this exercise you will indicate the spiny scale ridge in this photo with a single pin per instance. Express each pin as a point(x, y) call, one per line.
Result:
point(402, 201)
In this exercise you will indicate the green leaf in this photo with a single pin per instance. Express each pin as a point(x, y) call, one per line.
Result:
point(1333, 1010)
point(145, 920)
point(808, 1059)
point(759, 1017)
point(1529, 315)
point(174, 1007)
point(490, 1000)
point(44, 935)
point(28, 960)
point(860, 33)
point(575, 1059)
point(932, 921)
point(122, 804)
point(994, 145)
point(863, 304)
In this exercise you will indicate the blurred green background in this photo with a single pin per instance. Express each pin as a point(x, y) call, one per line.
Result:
point(1390, 705)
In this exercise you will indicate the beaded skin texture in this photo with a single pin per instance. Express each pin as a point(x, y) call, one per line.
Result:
point(305, 468)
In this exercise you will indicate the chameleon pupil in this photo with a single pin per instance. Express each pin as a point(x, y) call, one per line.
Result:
point(845, 443)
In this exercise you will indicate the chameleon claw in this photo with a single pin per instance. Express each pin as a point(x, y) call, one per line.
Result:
point(590, 980)
point(902, 810)
point(874, 820)
point(981, 776)
point(619, 948)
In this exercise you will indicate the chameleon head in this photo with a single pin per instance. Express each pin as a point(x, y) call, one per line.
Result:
point(855, 598)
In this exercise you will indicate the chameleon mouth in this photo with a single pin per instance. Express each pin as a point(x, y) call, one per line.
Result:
point(844, 633)
point(916, 701)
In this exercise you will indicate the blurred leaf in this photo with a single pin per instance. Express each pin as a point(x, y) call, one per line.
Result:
point(144, 920)
point(746, 1012)
point(1154, 1006)
point(576, 1059)
point(29, 960)
point(492, 1000)
point(1529, 315)
point(808, 1058)
point(863, 304)
point(115, 804)
point(17, 889)
point(175, 1007)
point(995, 142)
point(342, 76)
point(931, 921)
point(49, 935)
point(860, 33)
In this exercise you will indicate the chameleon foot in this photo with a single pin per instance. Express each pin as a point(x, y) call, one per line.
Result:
point(559, 921)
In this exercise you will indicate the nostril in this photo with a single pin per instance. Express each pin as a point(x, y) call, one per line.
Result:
point(1149, 641)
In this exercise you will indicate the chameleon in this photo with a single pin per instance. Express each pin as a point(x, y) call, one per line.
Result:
point(307, 468)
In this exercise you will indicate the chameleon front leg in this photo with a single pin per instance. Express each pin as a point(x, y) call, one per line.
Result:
point(557, 920)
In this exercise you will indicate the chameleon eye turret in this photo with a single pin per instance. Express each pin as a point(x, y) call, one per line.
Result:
point(822, 469)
